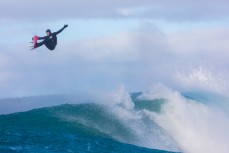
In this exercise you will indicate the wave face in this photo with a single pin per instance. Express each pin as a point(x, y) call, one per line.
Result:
point(86, 127)
point(65, 128)
point(160, 119)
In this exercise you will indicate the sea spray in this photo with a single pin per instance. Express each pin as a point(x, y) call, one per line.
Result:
point(196, 127)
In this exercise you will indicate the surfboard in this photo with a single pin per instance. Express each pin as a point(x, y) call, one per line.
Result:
point(35, 38)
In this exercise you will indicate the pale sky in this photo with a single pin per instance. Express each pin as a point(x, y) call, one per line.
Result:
point(113, 43)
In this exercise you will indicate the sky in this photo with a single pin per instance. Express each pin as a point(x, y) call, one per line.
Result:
point(113, 43)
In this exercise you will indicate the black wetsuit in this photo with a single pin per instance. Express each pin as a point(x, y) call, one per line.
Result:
point(49, 41)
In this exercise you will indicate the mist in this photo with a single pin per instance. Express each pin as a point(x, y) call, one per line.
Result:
point(136, 59)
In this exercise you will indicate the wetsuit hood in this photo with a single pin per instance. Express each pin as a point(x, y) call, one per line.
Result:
point(48, 30)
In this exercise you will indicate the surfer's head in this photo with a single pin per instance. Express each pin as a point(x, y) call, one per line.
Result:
point(48, 32)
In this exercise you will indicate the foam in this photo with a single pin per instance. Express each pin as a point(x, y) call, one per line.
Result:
point(196, 127)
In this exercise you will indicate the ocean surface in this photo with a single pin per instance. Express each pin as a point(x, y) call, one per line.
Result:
point(157, 121)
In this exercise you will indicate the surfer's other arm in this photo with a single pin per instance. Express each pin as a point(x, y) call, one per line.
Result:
point(45, 37)
point(65, 26)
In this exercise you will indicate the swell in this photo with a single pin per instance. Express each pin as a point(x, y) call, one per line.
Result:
point(75, 119)
point(87, 120)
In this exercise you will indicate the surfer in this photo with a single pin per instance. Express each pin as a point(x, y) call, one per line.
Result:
point(50, 41)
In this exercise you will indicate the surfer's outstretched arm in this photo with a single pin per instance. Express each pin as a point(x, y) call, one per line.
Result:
point(65, 26)
point(41, 38)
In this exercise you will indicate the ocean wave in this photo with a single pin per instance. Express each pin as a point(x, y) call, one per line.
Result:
point(92, 120)
point(160, 119)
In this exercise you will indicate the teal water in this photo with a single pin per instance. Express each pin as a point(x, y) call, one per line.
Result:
point(67, 128)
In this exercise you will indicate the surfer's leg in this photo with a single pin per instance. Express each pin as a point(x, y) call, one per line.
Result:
point(39, 44)
point(50, 45)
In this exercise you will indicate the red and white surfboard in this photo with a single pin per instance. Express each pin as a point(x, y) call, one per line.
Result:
point(35, 38)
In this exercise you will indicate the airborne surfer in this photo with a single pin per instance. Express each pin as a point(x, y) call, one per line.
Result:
point(50, 41)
